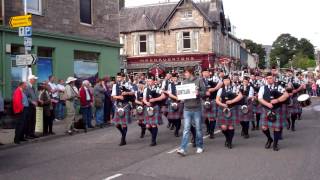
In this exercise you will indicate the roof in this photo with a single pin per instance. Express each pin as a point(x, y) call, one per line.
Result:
point(154, 17)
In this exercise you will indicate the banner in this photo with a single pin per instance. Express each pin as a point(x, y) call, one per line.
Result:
point(39, 120)
point(186, 91)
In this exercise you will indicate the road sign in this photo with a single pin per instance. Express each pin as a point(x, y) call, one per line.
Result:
point(27, 41)
point(25, 31)
point(25, 60)
point(20, 21)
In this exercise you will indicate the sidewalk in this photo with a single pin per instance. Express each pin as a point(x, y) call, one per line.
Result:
point(7, 135)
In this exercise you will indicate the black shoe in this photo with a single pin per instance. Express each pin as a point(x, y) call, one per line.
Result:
point(172, 128)
point(275, 147)
point(24, 140)
point(246, 136)
point(17, 142)
point(153, 144)
point(211, 136)
point(122, 143)
point(230, 145)
point(69, 132)
point(268, 144)
point(176, 134)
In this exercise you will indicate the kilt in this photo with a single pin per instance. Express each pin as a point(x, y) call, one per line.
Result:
point(247, 117)
point(126, 119)
point(156, 119)
point(296, 108)
point(281, 116)
point(232, 121)
point(138, 117)
point(173, 115)
point(212, 112)
point(257, 108)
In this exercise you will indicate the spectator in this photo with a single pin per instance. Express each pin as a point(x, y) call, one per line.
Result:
point(70, 96)
point(314, 88)
point(20, 105)
point(318, 84)
point(86, 100)
point(107, 102)
point(54, 93)
point(31, 94)
point(45, 103)
point(99, 99)
point(61, 103)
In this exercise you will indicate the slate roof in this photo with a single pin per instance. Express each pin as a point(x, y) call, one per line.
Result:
point(153, 17)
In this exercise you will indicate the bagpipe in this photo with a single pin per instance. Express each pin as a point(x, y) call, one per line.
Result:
point(207, 102)
point(229, 95)
point(127, 98)
point(271, 114)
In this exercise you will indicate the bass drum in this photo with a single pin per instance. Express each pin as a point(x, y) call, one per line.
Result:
point(304, 100)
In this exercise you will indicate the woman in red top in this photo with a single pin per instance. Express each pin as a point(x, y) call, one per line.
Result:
point(86, 100)
point(20, 108)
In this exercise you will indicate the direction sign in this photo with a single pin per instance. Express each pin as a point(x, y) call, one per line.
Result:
point(20, 21)
point(25, 31)
point(27, 41)
point(25, 60)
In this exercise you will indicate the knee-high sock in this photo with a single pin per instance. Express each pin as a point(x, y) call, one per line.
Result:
point(277, 135)
point(230, 135)
point(258, 119)
point(267, 133)
point(154, 134)
point(226, 134)
point(207, 122)
point(178, 125)
point(120, 129)
point(242, 123)
point(246, 127)
point(124, 134)
point(293, 119)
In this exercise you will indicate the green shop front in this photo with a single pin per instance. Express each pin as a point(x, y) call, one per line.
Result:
point(58, 55)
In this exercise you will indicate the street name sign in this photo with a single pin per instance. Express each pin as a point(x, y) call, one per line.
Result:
point(20, 21)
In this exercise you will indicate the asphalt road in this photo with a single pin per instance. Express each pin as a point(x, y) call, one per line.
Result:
point(97, 156)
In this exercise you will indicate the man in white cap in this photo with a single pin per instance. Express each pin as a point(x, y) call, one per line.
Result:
point(70, 95)
point(31, 94)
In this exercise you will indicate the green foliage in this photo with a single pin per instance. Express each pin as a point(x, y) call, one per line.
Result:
point(303, 61)
point(258, 49)
point(286, 47)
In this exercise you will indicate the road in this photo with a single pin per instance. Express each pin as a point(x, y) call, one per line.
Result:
point(97, 156)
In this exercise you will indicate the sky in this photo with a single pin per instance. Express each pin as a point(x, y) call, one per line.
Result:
point(264, 20)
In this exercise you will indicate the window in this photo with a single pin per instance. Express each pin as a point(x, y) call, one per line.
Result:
point(143, 44)
point(86, 64)
point(186, 41)
point(85, 11)
point(34, 6)
point(187, 14)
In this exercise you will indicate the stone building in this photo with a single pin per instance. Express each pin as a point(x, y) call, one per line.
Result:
point(171, 36)
point(70, 37)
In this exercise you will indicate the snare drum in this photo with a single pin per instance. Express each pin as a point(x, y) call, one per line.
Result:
point(304, 100)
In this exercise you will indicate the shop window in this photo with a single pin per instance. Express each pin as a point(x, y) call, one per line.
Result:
point(86, 64)
point(16, 71)
point(86, 11)
point(44, 64)
point(34, 6)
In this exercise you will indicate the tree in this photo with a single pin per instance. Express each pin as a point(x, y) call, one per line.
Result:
point(306, 47)
point(258, 49)
point(302, 61)
point(283, 49)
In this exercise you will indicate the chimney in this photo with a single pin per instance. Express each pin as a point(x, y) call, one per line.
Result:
point(121, 4)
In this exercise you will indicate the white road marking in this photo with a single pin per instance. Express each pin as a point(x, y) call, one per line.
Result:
point(113, 177)
point(205, 137)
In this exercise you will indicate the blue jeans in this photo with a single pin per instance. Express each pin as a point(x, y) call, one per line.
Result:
point(99, 115)
point(60, 110)
point(86, 116)
point(190, 118)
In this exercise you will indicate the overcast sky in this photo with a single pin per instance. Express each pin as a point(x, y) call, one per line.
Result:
point(264, 20)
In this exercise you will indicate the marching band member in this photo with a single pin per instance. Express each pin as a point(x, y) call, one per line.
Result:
point(272, 97)
point(210, 106)
point(302, 89)
point(122, 94)
point(246, 108)
point(164, 109)
point(139, 109)
point(153, 99)
point(227, 99)
point(256, 106)
point(192, 112)
point(175, 108)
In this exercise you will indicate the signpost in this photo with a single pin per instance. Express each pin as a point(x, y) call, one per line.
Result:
point(20, 21)
point(25, 31)
point(26, 59)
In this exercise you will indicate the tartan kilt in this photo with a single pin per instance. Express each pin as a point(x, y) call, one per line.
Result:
point(126, 119)
point(281, 115)
point(296, 108)
point(249, 116)
point(258, 109)
point(156, 119)
point(175, 114)
point(212, 112)
point(138, 117)
point(232, 121)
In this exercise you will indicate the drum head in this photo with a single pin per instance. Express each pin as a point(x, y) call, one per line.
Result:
point(303, 97)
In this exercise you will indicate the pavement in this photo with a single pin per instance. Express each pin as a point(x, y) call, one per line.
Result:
point(97, 156)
